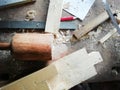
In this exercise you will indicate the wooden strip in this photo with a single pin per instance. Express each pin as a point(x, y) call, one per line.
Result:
point(91, 25)
point(54, 15)
point(4, 46)
point(33, 81)
point(107, 36)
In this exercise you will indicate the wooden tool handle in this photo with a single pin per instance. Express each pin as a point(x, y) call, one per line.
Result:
point(4, 46)
point(32, 46)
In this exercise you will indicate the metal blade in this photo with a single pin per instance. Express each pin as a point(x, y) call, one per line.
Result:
point(107, 8)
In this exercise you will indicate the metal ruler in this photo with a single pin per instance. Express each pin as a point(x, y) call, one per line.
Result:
point(8, 3)
point(107, 8)
point(33, 25)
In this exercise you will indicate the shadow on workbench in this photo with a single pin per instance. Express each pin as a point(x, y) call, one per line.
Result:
point(115, 85)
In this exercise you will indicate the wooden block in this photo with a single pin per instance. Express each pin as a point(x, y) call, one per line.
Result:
point(33, 81)
point(54, 15)
point(91, 25)
point(74, 69)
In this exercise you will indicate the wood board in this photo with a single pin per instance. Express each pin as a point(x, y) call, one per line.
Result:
point(54, 15)
point(66, 73)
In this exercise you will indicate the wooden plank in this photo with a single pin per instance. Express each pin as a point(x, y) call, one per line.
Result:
point(33, 81)
point(90, 25)
point(74, 69)
point(107, 36)
point(78, 8)
point(71, 70)
point(54, 15)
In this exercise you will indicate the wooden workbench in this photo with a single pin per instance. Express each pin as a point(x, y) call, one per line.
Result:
point(14, 69)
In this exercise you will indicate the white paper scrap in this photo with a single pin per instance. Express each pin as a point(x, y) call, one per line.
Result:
point(79, 8)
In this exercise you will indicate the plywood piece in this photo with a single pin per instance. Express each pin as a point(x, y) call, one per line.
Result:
point(54, 15)
point(74, 69)
point(96, 56)
point(91, 25)
point(33, 81)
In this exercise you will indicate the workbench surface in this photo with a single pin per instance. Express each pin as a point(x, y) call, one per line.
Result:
point(14, 69)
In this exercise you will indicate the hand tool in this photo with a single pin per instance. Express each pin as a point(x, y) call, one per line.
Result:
point(33, 25)
point(69, 18)
point(30, 46)
point(8, 3)
point(107, 8)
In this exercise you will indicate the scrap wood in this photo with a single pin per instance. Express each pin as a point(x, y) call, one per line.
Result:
point(74, 69)
point(107, 36)
point(77, 34)
point(54, 15)
point(33, 25)
point(61, 74)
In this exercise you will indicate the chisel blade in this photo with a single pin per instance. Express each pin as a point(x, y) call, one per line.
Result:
point(107, 8)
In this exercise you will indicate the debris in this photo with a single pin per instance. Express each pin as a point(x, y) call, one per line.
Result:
point(114, 72)
point(68, 18)
point(63, 37)
point(90, 25)
point(30, 46)
point(30, 15)
point(117, 16)
point(106, 37)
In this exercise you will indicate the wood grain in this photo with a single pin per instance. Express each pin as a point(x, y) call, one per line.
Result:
point(54, 15)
